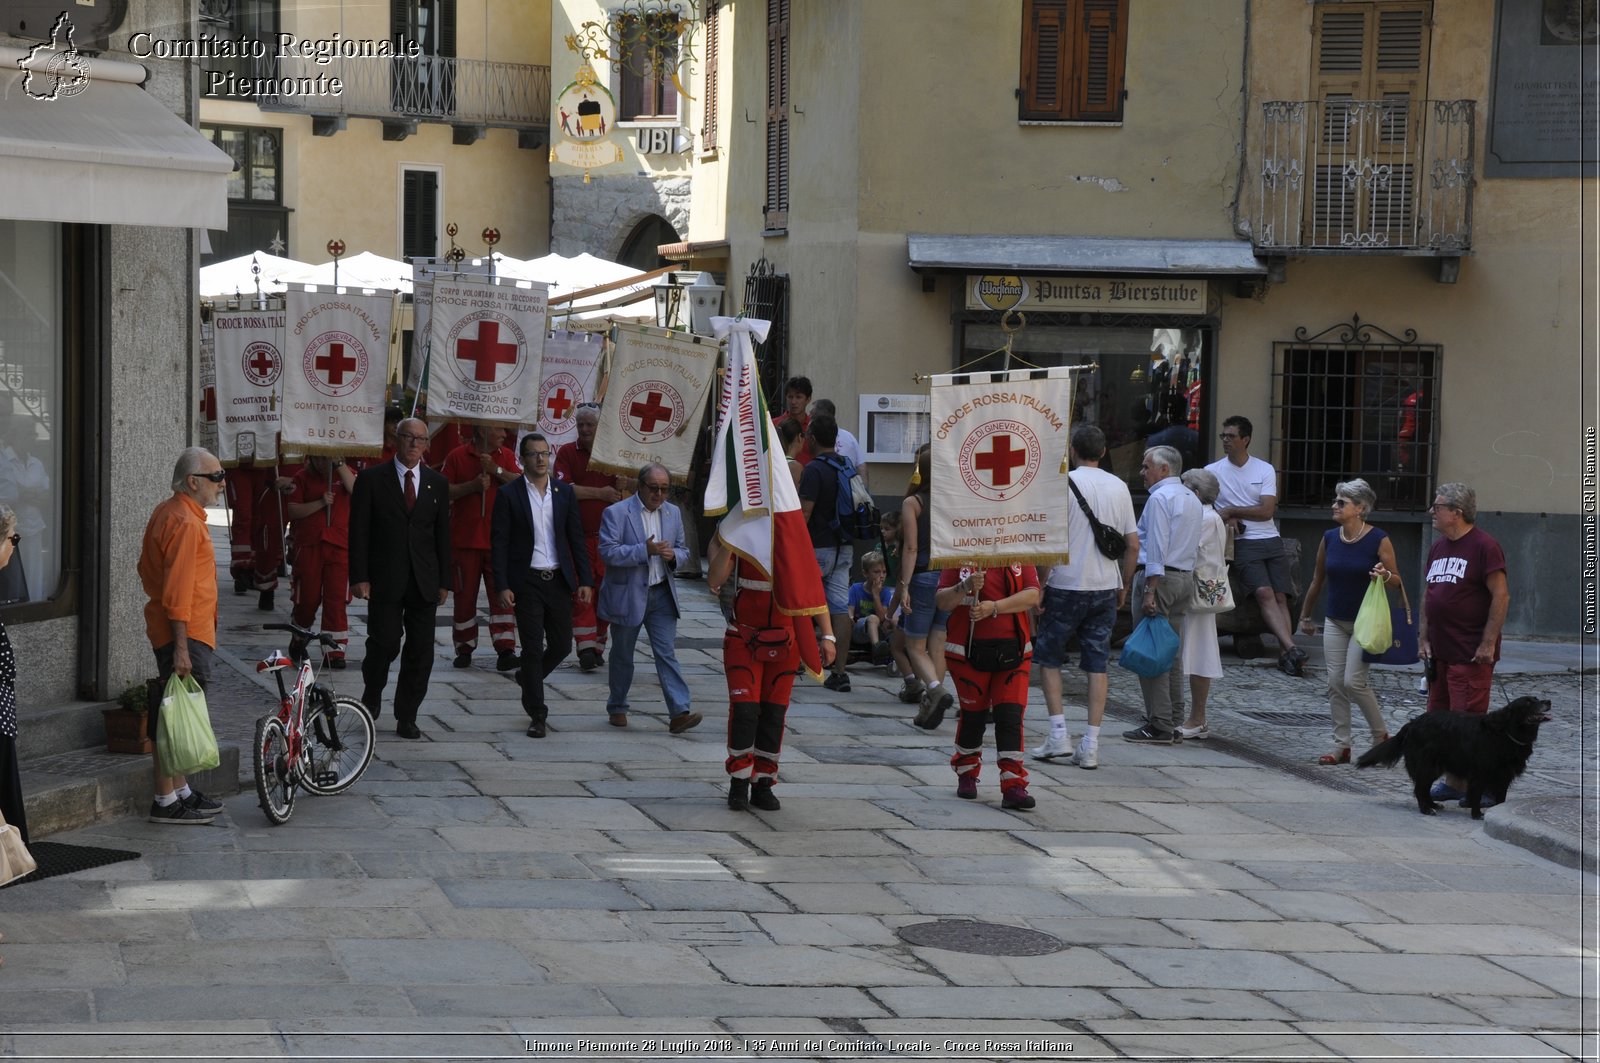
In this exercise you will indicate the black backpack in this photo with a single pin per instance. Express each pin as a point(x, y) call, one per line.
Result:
point(855, 515)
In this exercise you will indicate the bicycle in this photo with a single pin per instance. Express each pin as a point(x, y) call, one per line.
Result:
point(315, 741)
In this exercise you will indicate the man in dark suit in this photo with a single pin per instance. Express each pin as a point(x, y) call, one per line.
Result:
point(539, 559)
point(399, 554)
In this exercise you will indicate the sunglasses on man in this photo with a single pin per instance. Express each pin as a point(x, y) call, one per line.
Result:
point(215, 477)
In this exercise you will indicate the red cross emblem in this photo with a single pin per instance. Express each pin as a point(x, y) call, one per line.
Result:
point(335, 364)
point(650, 411)
point(999, 460)
point(558, 404)
point(486, 352)
point(262, 364)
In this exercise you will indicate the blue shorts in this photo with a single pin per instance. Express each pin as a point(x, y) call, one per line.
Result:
point(834, 561)
point(922, 617)
point(1087, 614)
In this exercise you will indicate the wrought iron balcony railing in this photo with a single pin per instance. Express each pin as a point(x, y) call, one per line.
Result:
point(1342, 175)
point(429, 88)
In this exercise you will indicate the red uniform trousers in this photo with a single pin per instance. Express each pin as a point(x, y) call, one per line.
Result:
point(255, 539)
point(473, 569)
point(588, 630)
point(1003, 695)
point(758, 701)
point(322, 579)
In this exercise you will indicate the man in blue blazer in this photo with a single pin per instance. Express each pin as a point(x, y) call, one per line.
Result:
point(537, 551)
point(642, 543)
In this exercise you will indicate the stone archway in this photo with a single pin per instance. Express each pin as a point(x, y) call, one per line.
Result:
point(639, 246)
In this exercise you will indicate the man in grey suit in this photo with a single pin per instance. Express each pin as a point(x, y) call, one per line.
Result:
point(399, 554)
point(642, 542)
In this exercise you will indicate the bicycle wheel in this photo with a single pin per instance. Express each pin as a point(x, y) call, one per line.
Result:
point(340, 739)
point(275, 775)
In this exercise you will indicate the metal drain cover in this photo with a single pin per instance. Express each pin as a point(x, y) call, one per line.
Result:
point(1289, 719)
point(984, 939)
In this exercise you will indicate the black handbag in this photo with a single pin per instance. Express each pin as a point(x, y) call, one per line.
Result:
point(1107, 540)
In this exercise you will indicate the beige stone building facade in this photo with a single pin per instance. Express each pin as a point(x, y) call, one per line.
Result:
point(1327, 217)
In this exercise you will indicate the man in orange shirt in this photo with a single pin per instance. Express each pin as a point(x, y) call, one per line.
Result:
point(179, 575)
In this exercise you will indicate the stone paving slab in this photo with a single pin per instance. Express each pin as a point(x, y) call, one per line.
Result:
point(1221, 897)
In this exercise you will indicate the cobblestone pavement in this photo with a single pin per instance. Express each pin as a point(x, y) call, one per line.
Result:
point(481, 890)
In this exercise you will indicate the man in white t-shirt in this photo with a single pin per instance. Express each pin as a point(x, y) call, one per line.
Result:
point(1247, 502)
point(1083, 596)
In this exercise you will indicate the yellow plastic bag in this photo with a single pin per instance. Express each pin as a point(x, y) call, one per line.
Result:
point(185, 739)
point(1374, 630)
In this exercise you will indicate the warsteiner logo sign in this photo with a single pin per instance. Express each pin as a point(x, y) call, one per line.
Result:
point(1000, 459)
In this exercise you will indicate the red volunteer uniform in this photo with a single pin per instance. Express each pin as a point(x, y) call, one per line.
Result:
point(470, 519)
point(322, 557)
point(1004, 695)
point(572, 467)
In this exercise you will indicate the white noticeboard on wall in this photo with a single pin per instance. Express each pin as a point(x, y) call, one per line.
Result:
point(893, 426)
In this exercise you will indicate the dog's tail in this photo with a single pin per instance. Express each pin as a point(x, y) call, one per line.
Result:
point(1385, 753)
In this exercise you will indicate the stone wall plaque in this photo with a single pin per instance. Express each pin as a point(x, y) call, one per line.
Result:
point(1545, 81)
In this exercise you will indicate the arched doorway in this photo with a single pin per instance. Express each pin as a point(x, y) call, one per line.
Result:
point(639, 249)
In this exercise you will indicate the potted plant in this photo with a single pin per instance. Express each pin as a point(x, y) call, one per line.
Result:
point(127, 722)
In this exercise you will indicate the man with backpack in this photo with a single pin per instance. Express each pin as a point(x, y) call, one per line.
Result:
point(823, 482)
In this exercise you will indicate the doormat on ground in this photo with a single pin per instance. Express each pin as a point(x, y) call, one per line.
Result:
point(59, 858)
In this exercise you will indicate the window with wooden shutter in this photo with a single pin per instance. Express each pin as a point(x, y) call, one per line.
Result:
point(708, 123)
point(647, 95)
point(1370, 79)
point(1073, 58)
point(419, 219)
point(776, 210)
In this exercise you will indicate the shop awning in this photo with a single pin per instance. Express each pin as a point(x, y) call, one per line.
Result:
point(110, 154)
point(953, 253)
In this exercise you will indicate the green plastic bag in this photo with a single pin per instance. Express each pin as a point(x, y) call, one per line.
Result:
point(184, 737)
point(1374, 630)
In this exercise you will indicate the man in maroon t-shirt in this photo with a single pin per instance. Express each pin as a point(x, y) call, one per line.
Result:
point(595, 491)
point(1463, 610)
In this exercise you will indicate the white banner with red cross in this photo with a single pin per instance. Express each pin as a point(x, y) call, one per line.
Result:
point(247, 349)
point(570, 372)
point(655, 400)
point(336, 367)
point(486, 343)
point(999, 468)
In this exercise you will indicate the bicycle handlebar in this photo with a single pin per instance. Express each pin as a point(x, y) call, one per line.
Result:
point(305, 633)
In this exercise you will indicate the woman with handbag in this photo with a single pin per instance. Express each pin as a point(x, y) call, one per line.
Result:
point(989, 649)
point(10, 775)
point(1352, 554)
point(1202, 662)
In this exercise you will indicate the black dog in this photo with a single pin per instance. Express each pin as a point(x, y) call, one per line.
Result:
point(1488, 750)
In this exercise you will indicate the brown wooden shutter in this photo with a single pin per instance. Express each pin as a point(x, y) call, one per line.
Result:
point(777, 205)
point(1101, 51)
point(708, 124)
point(1045, 60)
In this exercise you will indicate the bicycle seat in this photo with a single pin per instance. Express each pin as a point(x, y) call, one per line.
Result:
point(274, 661)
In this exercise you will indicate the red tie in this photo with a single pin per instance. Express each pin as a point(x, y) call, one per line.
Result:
point(411, 492)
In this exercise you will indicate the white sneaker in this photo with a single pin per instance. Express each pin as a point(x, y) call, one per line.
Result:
point(1088, 754)
point(1054, 747)
point(1202, 732)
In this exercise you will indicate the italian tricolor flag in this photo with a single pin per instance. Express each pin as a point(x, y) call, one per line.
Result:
point(751, 490)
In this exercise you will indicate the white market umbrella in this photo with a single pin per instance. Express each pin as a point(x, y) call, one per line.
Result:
point(365, 270)
point(222, 280)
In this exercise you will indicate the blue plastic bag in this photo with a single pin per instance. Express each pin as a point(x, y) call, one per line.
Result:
point(1151, 649)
